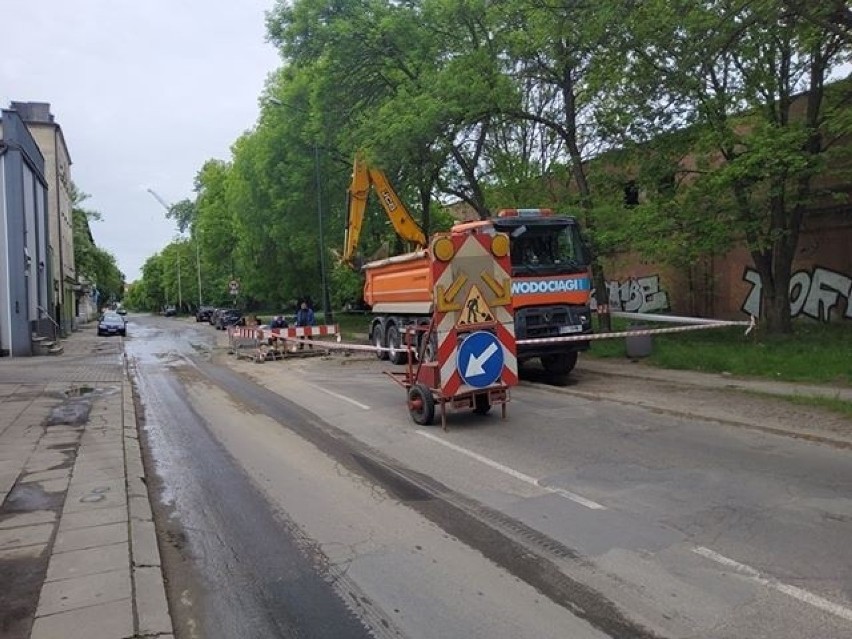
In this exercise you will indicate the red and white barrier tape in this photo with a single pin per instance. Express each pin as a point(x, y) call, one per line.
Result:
point(704, 325)
point(750, 324)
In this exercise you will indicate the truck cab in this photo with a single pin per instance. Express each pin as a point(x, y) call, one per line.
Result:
point(551, 284)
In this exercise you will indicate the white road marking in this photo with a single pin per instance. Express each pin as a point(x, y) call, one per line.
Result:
point(793, 591)
point(343, 397)
point(588, 503)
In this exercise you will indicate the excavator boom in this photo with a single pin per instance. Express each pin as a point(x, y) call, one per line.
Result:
point(364, 177)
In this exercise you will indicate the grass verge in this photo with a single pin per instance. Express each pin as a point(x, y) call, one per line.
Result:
point(815, 353)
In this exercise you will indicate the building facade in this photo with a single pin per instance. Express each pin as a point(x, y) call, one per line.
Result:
point(24, 251)
point(63, 290)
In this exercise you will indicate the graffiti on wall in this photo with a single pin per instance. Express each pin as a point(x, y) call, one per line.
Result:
point(813, 293)
point(638, 295)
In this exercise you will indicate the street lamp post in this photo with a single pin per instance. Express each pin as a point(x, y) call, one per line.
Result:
point(180, 297)
point(198, 269)
point(326, 300)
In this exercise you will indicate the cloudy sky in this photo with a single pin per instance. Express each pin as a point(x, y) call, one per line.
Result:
point(145, 92)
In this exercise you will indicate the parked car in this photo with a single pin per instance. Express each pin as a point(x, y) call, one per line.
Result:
point(170, 311)
point(203, 313)
point(230, 317)
point(121, 311)
point(112, 324)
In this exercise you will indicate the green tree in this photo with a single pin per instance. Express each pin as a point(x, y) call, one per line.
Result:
point(748, 80)
point(92, 262)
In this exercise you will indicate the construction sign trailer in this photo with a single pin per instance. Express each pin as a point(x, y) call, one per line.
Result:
point(465, 356)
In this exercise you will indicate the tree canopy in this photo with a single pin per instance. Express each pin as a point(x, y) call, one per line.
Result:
point(716, 116)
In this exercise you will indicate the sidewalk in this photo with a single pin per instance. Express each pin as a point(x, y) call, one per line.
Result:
point(78, 549)
point(627, 368)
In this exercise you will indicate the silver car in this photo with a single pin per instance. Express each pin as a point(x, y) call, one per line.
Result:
point(112, 324)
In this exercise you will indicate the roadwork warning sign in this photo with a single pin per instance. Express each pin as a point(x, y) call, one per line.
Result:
point(475, 309)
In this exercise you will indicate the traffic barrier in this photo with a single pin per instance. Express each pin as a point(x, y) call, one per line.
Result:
point(291, 332)
point(242, 339)
point(697, 325)
point(264, 343)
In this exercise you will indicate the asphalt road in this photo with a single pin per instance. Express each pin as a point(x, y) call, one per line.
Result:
point(298, 499)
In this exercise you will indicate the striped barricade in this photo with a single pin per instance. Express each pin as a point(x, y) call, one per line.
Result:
point(273, 341)
point(244, 338)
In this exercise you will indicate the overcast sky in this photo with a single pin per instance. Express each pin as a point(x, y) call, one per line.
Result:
point(145, 92)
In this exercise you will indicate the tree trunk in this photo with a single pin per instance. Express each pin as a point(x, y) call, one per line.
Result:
point(775, 268)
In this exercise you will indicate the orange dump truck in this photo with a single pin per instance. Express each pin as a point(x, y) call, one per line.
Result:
point(551, 288)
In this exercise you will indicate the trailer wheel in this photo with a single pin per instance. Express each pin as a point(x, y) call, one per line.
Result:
point(421, 404)
point(378, 339)
point(481, 404)
point(396, 353)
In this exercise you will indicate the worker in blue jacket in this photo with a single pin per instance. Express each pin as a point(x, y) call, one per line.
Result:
point(305, 317)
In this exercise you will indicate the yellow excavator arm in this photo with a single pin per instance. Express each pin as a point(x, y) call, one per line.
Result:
point(363, 177)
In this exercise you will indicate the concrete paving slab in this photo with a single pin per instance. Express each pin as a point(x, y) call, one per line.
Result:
point(90, 467)
point(88, 476)
point(88, 561)
point(83, 485)
point(143, 541)
point(24, 552)
point(113, 456)
point(83, 592)
point(89, 518)
point(48, 485)
point(94, 501)
point(16, 520)
point(112, 620)
point(151, 608)
point(94, 448)
point(7, 481)
point(44, 475)
point(140, 508)
point(15, 453)
point(91, 537)
point(25, 536)
point(58, 439)
point(51, 461)
point(64, 429)
point(136, 487)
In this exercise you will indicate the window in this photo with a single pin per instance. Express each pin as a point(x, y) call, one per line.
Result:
point(631, 194)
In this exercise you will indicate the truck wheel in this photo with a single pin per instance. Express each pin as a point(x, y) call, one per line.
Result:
point(481, 404)
point(378, 339)
point(396, 353)
point(430, 349)
point(421, 404)
point(560, 363)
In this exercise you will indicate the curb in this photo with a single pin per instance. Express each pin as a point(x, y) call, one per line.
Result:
point(150, 606)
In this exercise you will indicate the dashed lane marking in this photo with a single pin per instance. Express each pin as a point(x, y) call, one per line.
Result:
point(343, 397)
point(567, 494)
point(793, 591)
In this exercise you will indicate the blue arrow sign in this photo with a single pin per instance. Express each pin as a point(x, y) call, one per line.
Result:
point(480, 359)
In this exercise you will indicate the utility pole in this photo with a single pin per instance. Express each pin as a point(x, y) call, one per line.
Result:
point(168, 208)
